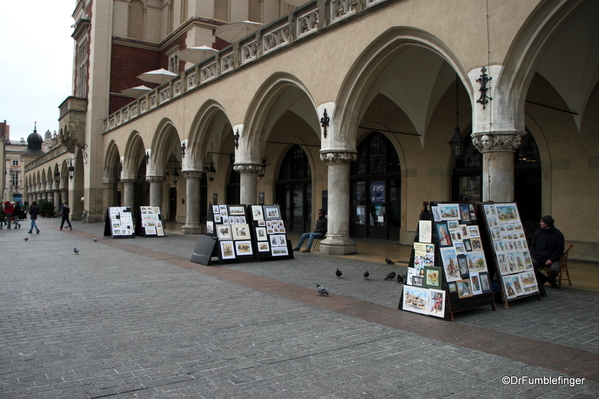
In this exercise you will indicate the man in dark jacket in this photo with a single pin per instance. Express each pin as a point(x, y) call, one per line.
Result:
point(546, 248)
point(319, 231)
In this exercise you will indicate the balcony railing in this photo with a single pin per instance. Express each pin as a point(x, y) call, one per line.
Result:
point(298, 25)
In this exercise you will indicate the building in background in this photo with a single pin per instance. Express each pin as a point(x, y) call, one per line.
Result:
point(357, 106)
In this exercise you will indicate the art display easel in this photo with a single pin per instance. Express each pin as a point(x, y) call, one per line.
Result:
point(507, 250)
point(149, 222)
point(447, 271)
point(244, 233)
point(119, 222)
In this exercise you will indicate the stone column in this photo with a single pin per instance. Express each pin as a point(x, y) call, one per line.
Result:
point(109, 197)
point(192, 202)
point(128, 192)
point(56, 199)
point(156, 183)
point(498, 163)
point(337, 241)
point(248, 183)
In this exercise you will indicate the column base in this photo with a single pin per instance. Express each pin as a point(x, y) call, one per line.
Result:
point(190, 229)
point(337, 246)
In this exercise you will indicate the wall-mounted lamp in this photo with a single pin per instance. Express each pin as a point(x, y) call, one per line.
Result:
point(183, 150)
point(261, 172)
point(210, 170)
point(71, 170)
point(236, 137)
point(175, 176)
point(147, 156)
point(57, 176)
point(456, 143)
point(324, 122)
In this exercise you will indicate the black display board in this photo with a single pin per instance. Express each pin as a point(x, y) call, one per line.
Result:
point(205, 250)
point(507, 250)
point(447, 272)
point(119, 222)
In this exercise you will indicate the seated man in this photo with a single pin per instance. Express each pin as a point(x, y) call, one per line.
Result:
point(546, 248)
point(319, 231)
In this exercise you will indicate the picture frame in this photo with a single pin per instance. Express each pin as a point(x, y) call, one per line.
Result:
point(244, 248)
point(432, 277)
point(210, 228)
point(467, 245)
point(261, 234)
point(443, 234)
point(463, 266)
point(215, 209)
point(217, 218)
point(485, 283)
point(279, 251)
point(257, 212)
point(223, 232)
point(272, 212)
point(452, 288)
point(464, 288)
point(436, 303)
point(240, 232)
point(274, 241)
point(450, 264)
point(263, 246)
point(227, 249)
point(464, 213)
point(508, 287)
point(261, 223)
point(425, 231)
point(475, 284)
point(473, 232)
point(476, 261)
point(415, 299)
point(222, 209)
point(507, 213)
point(236, 210)
point(449, 211)
point(418, 281)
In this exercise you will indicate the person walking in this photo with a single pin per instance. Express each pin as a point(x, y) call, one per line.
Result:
point(65, 215)
point(16, 214)
point(8, 210)
point(34, 210)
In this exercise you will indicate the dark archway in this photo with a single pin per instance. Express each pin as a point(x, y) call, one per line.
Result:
point(294, 190)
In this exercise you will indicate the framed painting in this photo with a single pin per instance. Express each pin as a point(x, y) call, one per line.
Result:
point(432, 277)
point(508, 287)
point(236, 210)
point(272, 212)
point(452, 288)
point(475, 284)
point(257, 213)
point(243, 248)
point(241, 232)
point(449, 211)
point(215, 209)
point(476, 262)
point(485, 284)
point(279, 251)
point(261, 234)
point(450, 264)
point(443, 234)
point(463, 266)
point(210, 228)
point(464, 213)
point(436, 303)
point(415, 299)
point(263, 246)
point(464, 288)
point(223, 232)
point(226, 249)
point(473, 231)
point(418, 281)
point(507, 213)
point(274, 241)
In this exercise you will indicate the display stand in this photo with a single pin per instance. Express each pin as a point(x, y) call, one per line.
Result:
point(119, 222)
point(150, 222)
point(447, 272)
point(508, 250)
point(205, 250)
point(269, 232)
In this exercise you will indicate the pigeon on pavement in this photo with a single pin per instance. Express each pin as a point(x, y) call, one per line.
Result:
point(95, 239)
point(366, 274)
point(389, 261)
point(26, 239)
point(400, 279)
point(321, 290)
point(338, 273)
point(390, 276)
point(75, 250)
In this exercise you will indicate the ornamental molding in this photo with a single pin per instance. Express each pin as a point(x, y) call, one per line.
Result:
point(338, 156)
point(497, 141)
point(193, 174)
point(154, 179)
point(127, 181)
point(248, 168)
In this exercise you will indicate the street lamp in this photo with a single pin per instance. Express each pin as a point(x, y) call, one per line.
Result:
point(456, 143)
point(57, 176)
point(175, 176)
point(71, 170)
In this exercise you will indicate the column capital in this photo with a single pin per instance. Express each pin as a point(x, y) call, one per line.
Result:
point(193, 174)
point(497, 141)
point(154, 179)
point(248, 168)
point(339, 156)
point(127, 181)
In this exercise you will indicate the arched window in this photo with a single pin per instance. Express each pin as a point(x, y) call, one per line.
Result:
point(375, 189)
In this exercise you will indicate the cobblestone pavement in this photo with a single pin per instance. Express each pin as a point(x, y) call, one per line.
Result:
point(133, 318)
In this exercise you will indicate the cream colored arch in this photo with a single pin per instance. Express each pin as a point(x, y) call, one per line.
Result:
point(134, 156)
point(280, 93)
point(208, 132)
point(112, 163)
point(411, 67)
point(165, 138)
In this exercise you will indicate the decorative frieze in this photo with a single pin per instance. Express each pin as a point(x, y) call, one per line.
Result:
point(307, 23)
point(497, 141)
point(342, 8)
point(208, 72)
point(193, 174)
point(249, 52)
point(155, 179)
point(276, 38)
point(248, 168)
point(338, 156)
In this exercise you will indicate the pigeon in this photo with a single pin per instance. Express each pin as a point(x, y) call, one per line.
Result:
point(26, 239)
point(390, 276)
point(366, 274)
point(338, 273)
point(389, 262)
point(95, 239)
point(400, 279)
point(321, 290)
point(75, 250)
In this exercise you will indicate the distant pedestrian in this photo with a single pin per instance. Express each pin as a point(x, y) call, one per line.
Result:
point(34, 210)
point(16, 214)
point(8, 211)
point(65, 215)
